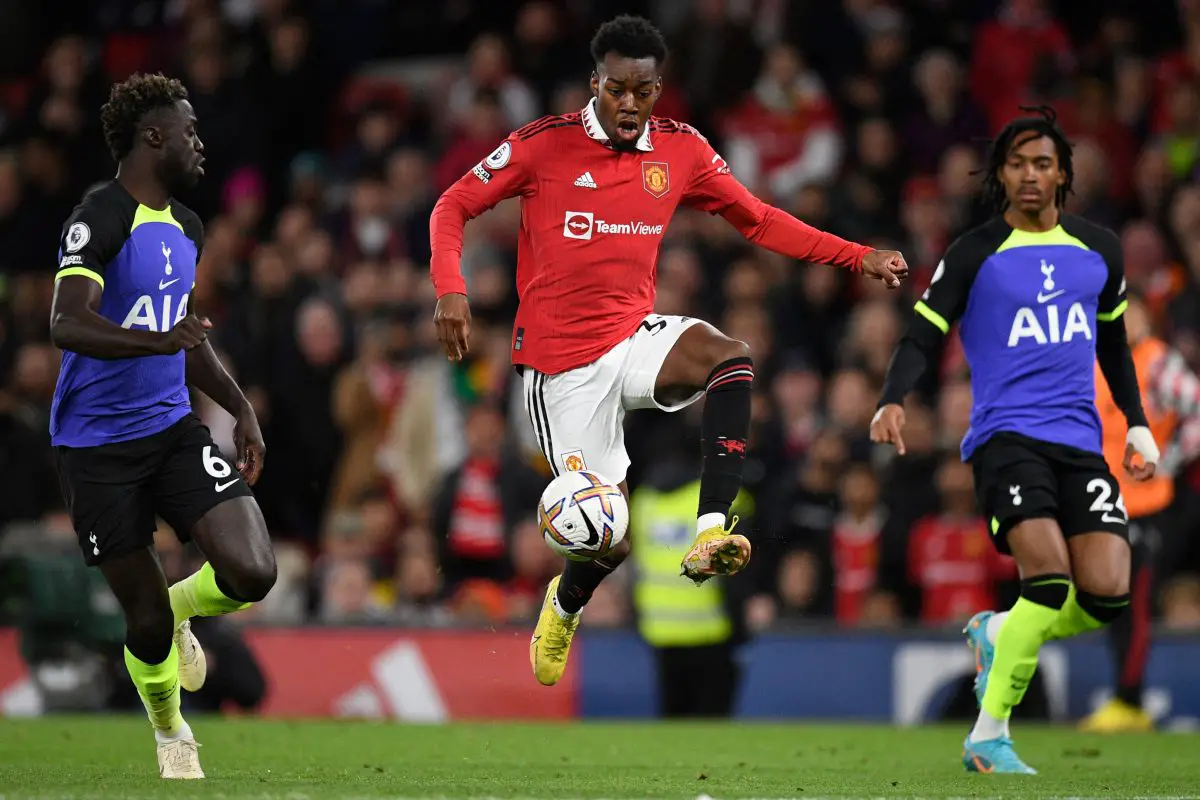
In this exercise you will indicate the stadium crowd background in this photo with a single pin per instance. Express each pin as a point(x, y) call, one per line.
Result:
point(401, 488)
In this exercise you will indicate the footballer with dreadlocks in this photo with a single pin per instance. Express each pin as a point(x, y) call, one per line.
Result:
point(127, 445)
point(1038, 295)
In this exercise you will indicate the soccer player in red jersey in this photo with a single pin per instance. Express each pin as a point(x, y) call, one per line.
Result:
point(597, 190)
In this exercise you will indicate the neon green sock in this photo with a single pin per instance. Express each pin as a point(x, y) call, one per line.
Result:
point(1072, 620)
point(197, 595)
point(1017, 645)
point(158, 684)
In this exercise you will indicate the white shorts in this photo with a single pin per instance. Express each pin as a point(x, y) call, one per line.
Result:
point(578, 416)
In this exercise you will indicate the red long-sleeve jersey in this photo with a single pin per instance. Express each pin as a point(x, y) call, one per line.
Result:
point(592, 220)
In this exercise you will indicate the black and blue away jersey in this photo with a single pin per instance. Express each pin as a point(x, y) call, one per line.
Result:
point(1028, 305)
point(145, 263)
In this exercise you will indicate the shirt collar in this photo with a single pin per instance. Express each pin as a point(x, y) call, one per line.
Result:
point(591, 124)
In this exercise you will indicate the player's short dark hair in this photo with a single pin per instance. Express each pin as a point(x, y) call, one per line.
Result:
point(132, 99)
point(1045, 123)
point(629, 36)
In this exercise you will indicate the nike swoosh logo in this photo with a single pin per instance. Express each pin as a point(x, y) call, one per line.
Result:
point(593, 534)
point(220, 487)
point(1042, 298)
point(164, 284)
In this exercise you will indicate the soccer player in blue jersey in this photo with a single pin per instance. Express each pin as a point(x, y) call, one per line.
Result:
point(1038, 295)
point(128, 446)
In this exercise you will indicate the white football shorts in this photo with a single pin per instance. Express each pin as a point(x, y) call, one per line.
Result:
point(578, 416)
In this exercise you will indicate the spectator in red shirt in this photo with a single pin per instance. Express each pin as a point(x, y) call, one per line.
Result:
point(785, 135)
point(481, 127)
point(1006, 52)
point(855, 544)
point(950, 559)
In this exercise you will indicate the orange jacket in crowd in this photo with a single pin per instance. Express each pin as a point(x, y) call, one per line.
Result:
point(1171, 396)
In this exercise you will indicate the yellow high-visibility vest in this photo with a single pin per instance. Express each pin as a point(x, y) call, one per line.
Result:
point(672, 611)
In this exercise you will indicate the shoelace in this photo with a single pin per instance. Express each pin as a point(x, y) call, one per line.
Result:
point(182, 753)
point(554, 646)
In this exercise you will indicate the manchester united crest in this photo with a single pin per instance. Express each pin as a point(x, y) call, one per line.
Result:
point(573, 460)
point(656, 178)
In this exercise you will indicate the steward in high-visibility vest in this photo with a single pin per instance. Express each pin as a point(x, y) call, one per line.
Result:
point(671, 610)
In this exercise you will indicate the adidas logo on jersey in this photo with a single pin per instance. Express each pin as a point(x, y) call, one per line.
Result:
point(586, 181)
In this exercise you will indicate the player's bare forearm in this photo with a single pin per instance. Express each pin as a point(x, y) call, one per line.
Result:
point(206, 373)
point(1116, 362)
point(76, 326)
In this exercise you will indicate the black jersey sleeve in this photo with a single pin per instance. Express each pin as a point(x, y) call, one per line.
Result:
point(193, 228)
point(946, 298)
point(939, 307)
point(1112, 344)
point(93, 236)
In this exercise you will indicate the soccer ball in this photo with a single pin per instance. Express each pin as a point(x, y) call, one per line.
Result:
point(582, 516)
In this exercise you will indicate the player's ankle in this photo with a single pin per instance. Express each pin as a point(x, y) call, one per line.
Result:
point(181, 731)
point(988, 727)
point(568, 609)
point(712, 519)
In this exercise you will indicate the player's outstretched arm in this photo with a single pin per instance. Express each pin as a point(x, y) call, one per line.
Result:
point(76, 325)
point(206, 372)
point(714, 189)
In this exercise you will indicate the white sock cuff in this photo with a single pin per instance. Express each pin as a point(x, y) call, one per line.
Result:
point(558, 609)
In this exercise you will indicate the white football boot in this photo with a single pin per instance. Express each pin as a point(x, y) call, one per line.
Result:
point(179, 759)
point(193, 667)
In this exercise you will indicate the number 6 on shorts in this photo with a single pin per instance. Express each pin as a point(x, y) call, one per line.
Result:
point(215, 465)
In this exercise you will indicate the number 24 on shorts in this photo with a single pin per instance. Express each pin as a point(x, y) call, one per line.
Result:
point(219, 468)
point(1100, 488)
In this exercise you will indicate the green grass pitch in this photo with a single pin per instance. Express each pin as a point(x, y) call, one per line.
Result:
point(113, 757)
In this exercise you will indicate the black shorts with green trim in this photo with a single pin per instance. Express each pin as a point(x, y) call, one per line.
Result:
point(1019, 478)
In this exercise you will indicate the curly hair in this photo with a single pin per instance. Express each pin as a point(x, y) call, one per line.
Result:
point(131, 100)
point(629, 36)
point(1044, 124)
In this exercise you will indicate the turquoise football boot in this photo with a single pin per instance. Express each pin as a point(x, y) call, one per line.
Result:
point(994, 755)
point(984, 650)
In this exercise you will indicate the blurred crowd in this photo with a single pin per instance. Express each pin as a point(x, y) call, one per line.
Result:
point(401, 488)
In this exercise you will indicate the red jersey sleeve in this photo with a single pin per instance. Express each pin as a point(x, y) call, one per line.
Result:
point(507, 172)
point(713, 188)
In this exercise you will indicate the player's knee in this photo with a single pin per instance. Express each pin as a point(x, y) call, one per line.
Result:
point(723, 349)
point(252, 579)
point(1102, 607)
point(1112, 582)
point(1039, 548)
point(1048, 589)
point(722, 358)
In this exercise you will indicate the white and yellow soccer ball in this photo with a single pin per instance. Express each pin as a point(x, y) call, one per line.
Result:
point(582, 515)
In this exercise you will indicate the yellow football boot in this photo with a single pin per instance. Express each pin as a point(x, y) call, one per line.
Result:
point(716, 551)
point(551, 642)
point(1117, 716)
